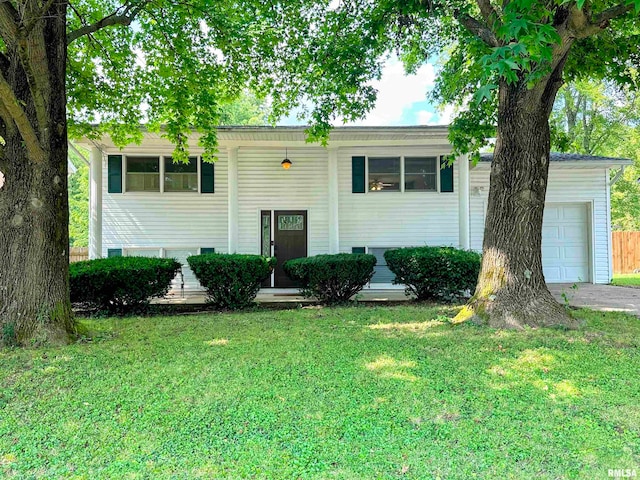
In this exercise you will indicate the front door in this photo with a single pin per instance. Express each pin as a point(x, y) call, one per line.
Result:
point(290, 241)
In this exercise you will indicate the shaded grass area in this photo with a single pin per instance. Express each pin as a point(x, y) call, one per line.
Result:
point(627, 280)
point(346, 393)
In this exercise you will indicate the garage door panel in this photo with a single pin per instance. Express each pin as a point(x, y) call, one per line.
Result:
point(565, 243)
point(574, 212)
point(576, 254)
point(551, 233)
point(573, 232)
point(551, 213)
point(551, 253)
point(552, 273)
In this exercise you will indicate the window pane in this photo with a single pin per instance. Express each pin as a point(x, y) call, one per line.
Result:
point(384, 174)
point(266, 235)
point(413, 181)
point(143, 174)
point(420, 173)
point(420, 164)
point(143, 164)
point(384, 165)
point(181, 182)
point(142, 252)
point(181, 177)
point(170, 167)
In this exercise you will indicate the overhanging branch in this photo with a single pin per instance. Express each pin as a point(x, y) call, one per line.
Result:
point(479, 29)
point(585, 27)
point(19, 117)
point(488, 12)
point(116, 18)
point(604, 17)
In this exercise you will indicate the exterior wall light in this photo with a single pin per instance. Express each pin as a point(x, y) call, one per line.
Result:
point(286, 163)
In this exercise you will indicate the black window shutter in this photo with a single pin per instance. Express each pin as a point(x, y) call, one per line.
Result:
point(204, 250)
point(114, 173)
point(357, 175)
point(446, 175)
point(207, 177)
point(358, 250)
point(114, 252)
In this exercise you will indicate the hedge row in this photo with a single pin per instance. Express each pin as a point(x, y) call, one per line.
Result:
point(232, 281)
point(123, 284)
point(331, 279)
point(120, 285)
point(434, 273)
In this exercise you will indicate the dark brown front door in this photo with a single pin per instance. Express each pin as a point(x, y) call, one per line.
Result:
point(290, 241)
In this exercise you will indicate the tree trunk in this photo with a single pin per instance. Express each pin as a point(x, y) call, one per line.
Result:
point(34, 213)
point(511, 291)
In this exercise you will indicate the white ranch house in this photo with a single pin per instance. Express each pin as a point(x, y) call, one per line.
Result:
point(368, 190)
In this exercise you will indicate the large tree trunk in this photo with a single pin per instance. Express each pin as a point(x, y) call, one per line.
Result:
point(511, 291)
point(34, 214)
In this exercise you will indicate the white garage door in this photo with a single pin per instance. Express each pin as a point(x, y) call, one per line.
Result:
point(565, 243)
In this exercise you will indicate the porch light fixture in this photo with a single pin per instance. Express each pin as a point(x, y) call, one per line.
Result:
point(286, 163)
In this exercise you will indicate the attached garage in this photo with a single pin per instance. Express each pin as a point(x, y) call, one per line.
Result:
point(565, 243)
point(576, 232)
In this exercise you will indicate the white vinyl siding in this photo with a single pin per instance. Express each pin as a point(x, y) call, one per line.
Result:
point(172, 220)
point(395, 219)
point(585, 186)
point(264, 185)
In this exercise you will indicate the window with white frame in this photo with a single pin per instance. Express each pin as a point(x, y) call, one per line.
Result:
point(421, 173)
point(384, 174)
point(143, 174)
point(180, 177)
point(395, 174)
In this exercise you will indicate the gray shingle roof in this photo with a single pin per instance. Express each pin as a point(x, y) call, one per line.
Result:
point(568, 157)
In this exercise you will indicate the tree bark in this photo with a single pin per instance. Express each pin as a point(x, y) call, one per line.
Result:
point(34, 213)
point(511, 290)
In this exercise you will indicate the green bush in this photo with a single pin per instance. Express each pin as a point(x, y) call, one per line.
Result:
point(121, 284)
point(231, 280)
point(331, 279)
point(434, 273)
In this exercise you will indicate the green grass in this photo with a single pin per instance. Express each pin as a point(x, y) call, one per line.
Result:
point(627, 280)
point(349, 393)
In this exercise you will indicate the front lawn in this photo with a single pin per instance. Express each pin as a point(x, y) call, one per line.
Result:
point(626, 279)
point(349, 393)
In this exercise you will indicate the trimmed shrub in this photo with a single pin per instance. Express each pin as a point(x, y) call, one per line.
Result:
point(121, 284)
point(331, 279)
point(434, 273)
point(231, 280)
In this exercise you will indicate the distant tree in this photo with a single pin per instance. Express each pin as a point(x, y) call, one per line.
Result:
point(598, 118)
point(78, 202)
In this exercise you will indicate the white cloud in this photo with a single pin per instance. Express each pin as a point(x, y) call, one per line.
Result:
point(445, 115)
point(424, 117)
point(397, 92)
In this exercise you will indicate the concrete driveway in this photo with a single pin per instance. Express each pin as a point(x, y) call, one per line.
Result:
point(599, 297)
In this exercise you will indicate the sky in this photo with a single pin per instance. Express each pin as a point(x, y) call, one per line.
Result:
point(402, 99)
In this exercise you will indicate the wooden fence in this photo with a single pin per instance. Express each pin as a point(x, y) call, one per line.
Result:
point(626, 251)
point(77, 254)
